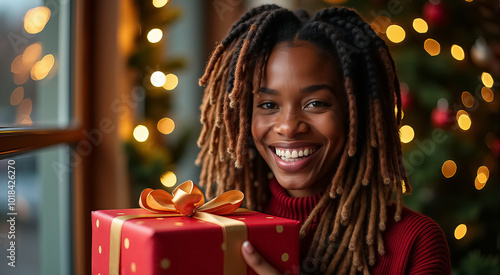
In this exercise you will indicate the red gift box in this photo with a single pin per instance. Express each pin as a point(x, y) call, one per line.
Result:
point(188, 245)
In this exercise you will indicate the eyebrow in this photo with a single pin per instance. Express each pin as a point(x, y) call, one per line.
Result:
point(305, 90)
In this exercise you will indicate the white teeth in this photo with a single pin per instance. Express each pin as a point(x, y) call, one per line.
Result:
point(293, 155)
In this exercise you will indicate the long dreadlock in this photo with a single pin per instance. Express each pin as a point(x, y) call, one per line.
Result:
point(353, 211)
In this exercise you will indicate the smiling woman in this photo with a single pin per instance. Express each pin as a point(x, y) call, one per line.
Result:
point(315, 97)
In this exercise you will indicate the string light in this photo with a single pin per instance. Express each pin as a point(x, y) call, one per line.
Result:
point(17, 65)
point(457, 52)
point(487, 79)
point(406, 133)
point(432, 47)
point(158, 79)
point(478, 184)
point(449, 168)
point(168, 179)
point(36, 19)
point(420, 25)
point(166, 126)
point(395, 33)
point(467, 99)
point(460, 231)
point(32, 54)
point(380, 23)
point(159, 3)
point(141, 133)
point(155, 35)
point(171, 82)
point(483, 174)
point(487, 94)
point(42, 68)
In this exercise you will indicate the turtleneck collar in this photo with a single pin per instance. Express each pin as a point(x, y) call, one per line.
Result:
point(282, 205)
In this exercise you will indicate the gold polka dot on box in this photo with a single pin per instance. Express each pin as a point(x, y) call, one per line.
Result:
point(184, 245)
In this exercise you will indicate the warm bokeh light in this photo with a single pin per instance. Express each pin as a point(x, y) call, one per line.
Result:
point(169, 179)
point(141, 133)
point(406, 133)
point(159, 3)
point(487, 79)
point(457, 52)
point(42, 68)
point(25, 107)
point(380, 23)
point(467, 99)
point(487, 94)
point(464, 122)
point(460, 231)
point(171, 82)
point(158, 79)
point(432, 47)
point(36, 19)
point(449, 168)
point(395, 33)
point(17, 96)
point(17, 65)
point(166, 125)
point(32, 54)
point(478, 184)
point(21, 77)
point(483, 170)
point(155, 35)
point(420, 25)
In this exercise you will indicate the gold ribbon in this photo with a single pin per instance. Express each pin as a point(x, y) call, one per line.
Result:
point(188, 200)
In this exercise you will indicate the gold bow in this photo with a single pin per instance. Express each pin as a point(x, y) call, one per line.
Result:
point(187, 199)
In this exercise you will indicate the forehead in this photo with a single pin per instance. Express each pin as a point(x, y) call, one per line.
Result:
point(300, 63)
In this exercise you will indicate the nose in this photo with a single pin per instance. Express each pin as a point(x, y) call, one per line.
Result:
point(289, 123)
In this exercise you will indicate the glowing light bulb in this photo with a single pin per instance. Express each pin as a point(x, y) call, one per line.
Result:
point(457, 52)
point(460, 231)
point(171, 82)
point(168, 179)
point(406, 133)
point(155, 35)
point(449, 168)
point(395, 33)
point(467, 99)
point(166, 125)
point(478, 184)
point(432, 47)
point(464, 122)
point(36, 19)
point(487, 94)
point(141, 133)
point(159, 3)
point(487, 79)
point(158, 79)
point(420, 25)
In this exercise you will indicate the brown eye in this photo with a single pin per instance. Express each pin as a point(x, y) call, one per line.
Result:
point(317, 104)
point(268, 106)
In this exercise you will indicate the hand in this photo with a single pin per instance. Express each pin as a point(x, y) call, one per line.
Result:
point(255, 260)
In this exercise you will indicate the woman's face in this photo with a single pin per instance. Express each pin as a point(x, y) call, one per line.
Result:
point(299, 116)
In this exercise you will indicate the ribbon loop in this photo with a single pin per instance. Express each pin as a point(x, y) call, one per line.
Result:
point(187, 198)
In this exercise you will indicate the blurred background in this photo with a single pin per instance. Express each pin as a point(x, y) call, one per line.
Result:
point(99, 100)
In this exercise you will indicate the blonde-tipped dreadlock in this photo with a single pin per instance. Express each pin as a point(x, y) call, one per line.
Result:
point(353, 211)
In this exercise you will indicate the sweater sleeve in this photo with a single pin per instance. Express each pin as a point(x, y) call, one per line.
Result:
point(430, 253)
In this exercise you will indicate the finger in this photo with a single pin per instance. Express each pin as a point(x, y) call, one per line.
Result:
point(255, 260)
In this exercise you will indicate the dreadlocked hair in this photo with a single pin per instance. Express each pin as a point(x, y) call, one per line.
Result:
point(352, 212)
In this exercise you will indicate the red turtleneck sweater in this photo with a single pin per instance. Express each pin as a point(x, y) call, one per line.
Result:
point(415, 245)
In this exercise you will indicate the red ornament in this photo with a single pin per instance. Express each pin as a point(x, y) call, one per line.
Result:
point(442, 118)
point(436, 15)
point(406, 98)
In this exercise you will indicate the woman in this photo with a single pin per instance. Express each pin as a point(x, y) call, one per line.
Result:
point(298, 113)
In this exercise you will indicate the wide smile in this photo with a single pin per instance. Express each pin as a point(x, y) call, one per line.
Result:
point(293, 159)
